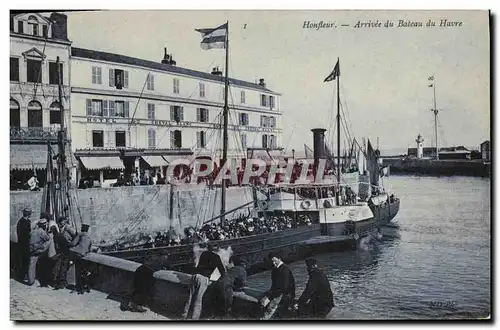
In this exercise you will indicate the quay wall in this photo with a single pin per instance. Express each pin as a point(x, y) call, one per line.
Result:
point(118, 212)
point(115, 277)
point(438, 167)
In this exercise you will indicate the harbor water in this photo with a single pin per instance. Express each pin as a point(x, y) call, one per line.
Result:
point(439, 267)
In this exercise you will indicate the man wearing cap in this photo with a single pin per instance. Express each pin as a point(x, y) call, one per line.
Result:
point(209, 261)
point(317, 299)
point(280, 298)
point(39, 244)
point(81, 246)
point(63, 241)
point(23, 243)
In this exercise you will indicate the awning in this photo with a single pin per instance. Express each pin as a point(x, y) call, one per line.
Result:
point(27, 156)
point(100, 163)
point(155, 161)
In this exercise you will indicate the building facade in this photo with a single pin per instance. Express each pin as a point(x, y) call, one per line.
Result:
point(36, 41)
point(130, 109)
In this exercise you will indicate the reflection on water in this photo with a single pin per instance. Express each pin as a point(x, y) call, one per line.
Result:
point(438, 268)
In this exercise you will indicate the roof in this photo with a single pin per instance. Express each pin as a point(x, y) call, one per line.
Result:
point(117, 58)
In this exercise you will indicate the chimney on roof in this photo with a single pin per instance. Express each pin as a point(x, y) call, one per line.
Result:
point(216, 71)
point(168, 58)
point(262, 82)
point(59, 26)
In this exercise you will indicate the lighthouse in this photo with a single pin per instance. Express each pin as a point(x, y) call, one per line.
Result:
point(420, 147)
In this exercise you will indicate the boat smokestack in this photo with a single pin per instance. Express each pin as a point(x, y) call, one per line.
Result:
point(318, 146)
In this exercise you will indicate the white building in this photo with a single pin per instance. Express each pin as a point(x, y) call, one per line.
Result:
point(36, 41)
point(126, 108)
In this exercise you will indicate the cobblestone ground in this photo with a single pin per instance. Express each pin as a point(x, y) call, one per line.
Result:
point(37, 303)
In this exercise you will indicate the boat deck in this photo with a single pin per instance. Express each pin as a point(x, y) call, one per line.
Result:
point(326, 239)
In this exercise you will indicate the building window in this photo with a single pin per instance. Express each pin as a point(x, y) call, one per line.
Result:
point(34, 71)
point(243, 141)
point(266, 121)
point(35, 118)
point(33, 25)
point(176, 113)
point(15, 114)
point(151, 138)
point(264, 141)
point(55, 113)
point(242, 96)
point(97, 139)
point(202, 90)
point(96, 75)
point(151, 111)
point(94, 108)
point(53, 74)
point(150, 82)
point(271, 102)
point(118, 78)
point(120, 140)
point(201, 139)
point(20, 27)
point(263, 100)
point(14, 69)
point(272, 142)
point(45, 30)
point(243, 119)
point(176, 86)
point(176, 139)
point(119, 109)
point(202, 115)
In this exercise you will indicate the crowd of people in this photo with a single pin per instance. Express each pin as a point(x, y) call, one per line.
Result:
point(240, 226)
point(47, 248)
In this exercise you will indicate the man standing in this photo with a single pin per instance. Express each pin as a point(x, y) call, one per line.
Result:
point(80, 248)
point(23, 243)
point(39, 244)
point(63, 241)
point(280, 298)
point(234, 279)
point(208, 263)
point(317, 299)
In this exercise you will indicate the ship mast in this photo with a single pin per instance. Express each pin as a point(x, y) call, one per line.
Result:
point(224, 137)
point(338, 131)
point(435, 111)
point(62, 175)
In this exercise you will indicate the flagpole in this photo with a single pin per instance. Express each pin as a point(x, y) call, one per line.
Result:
point(225, 118)
point(338, 131)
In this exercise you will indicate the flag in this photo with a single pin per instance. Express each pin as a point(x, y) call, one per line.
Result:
point(431, 78)
point(335, 73)
point(431, 85)
point(214, 38)
point(308, 152)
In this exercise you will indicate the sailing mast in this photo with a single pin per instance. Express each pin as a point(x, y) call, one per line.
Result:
point(225, 119)
point(338, 128)
point(62, 174)
point(435, 111)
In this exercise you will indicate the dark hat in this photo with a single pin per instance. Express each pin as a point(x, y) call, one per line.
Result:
point(85, 227)
point(42, 221)
point(310, 262)
point(27, 210)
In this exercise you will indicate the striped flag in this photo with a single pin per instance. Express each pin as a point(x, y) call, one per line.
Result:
point(431, 78)
point(214, 38)
point(335, 73)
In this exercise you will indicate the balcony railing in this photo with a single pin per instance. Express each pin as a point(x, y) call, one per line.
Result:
point(33, 133)
point(28, 88)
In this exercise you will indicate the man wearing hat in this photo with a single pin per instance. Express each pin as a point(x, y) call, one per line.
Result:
point(23, 243)
point(39, 244)
point(317, 299)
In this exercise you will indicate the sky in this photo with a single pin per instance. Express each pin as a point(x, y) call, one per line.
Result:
point(384, 71)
